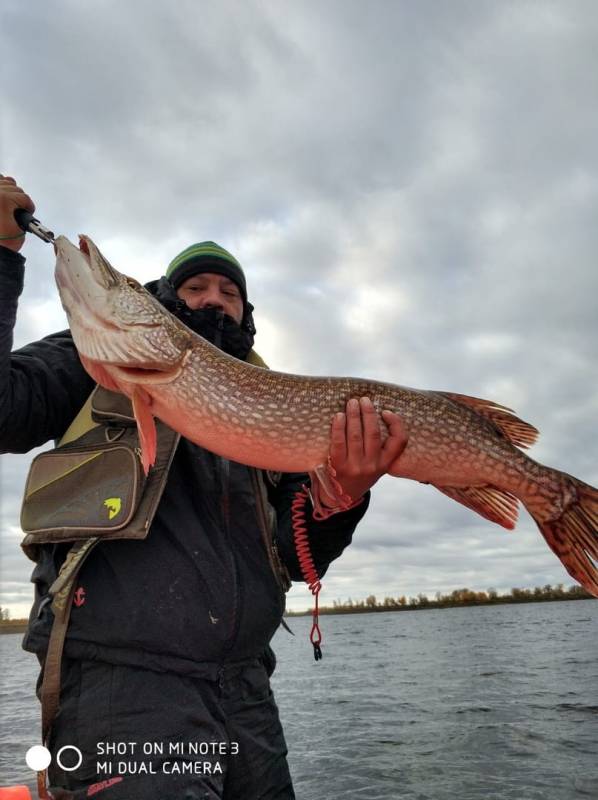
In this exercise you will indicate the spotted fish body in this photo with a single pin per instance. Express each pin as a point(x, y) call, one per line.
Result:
point(467, 447)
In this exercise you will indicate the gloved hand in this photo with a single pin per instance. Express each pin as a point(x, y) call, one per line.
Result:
point(11, 198)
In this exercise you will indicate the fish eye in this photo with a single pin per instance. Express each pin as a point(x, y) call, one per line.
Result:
point(133, 283)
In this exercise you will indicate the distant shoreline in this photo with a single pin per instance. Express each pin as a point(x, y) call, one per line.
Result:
point(460, 598)
point(13, 626)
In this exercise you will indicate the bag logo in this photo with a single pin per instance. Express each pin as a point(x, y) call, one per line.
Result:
point(113, 504)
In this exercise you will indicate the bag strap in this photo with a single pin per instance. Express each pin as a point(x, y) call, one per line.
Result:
point(62, 591)
point(82, 423)
point(261, 499)
point(255, 359)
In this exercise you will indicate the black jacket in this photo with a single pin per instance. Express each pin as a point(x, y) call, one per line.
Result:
point(200, 588)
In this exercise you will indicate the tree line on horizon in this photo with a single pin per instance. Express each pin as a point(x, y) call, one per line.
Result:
point(458, 597)
point(7, 622)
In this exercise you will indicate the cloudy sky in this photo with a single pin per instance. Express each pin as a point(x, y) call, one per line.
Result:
point(412, 189)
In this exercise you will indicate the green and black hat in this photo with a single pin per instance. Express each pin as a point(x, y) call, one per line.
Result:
point(206, 257)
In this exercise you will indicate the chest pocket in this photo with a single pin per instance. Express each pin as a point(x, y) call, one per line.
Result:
point(95, 486)
point(83, 489)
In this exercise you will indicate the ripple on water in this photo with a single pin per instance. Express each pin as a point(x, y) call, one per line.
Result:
point(587, 786)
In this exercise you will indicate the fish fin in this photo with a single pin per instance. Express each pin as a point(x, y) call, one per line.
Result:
point(573, 536)
point(493, 504)
point(146, 427)
point(504, 419)
point(100, 374)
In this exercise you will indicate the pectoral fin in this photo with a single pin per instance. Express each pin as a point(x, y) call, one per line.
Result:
point(100, 374)
point(146, 427)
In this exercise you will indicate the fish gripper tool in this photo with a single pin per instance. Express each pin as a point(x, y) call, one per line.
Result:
point(28, 223)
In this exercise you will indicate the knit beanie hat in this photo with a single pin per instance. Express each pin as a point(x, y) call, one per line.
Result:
point(206, 257)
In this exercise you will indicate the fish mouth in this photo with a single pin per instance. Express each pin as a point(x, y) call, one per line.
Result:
point(85, 280)
point(111, 326)
point(98, 265)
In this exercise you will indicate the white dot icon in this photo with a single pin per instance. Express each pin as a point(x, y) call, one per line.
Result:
point(38, 757)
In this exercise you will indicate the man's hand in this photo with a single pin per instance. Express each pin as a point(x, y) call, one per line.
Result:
point(356, 450)
point(11, 198)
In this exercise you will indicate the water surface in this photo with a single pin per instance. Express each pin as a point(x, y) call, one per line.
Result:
point(465, 703)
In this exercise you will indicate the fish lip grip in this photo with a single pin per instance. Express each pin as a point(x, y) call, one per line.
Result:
point(30, 224)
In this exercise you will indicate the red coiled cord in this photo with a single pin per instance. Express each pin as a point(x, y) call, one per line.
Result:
point(306, 562)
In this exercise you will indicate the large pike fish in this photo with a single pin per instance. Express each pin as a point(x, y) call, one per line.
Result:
point(466, 447)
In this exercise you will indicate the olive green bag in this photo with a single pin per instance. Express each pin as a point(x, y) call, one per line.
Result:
point(94, 485)
point(75, 491)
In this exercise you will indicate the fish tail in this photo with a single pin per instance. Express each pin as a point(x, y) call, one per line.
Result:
point(573, 534)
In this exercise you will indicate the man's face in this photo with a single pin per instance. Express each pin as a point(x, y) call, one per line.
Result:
point(209, 290)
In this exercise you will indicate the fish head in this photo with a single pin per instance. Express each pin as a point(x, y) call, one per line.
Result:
point(119, 329)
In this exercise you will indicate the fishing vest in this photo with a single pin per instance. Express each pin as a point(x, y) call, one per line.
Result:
point(92, 488)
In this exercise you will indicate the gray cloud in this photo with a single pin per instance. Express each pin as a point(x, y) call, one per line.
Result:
point(412, 189)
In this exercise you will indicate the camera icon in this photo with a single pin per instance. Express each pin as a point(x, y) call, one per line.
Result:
point(39, 757)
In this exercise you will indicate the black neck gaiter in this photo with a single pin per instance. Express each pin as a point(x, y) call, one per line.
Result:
point(211, 323)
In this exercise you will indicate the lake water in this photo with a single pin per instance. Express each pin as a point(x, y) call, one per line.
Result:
point(455, 704)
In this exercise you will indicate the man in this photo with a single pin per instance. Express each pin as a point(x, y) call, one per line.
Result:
point(166, 659)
